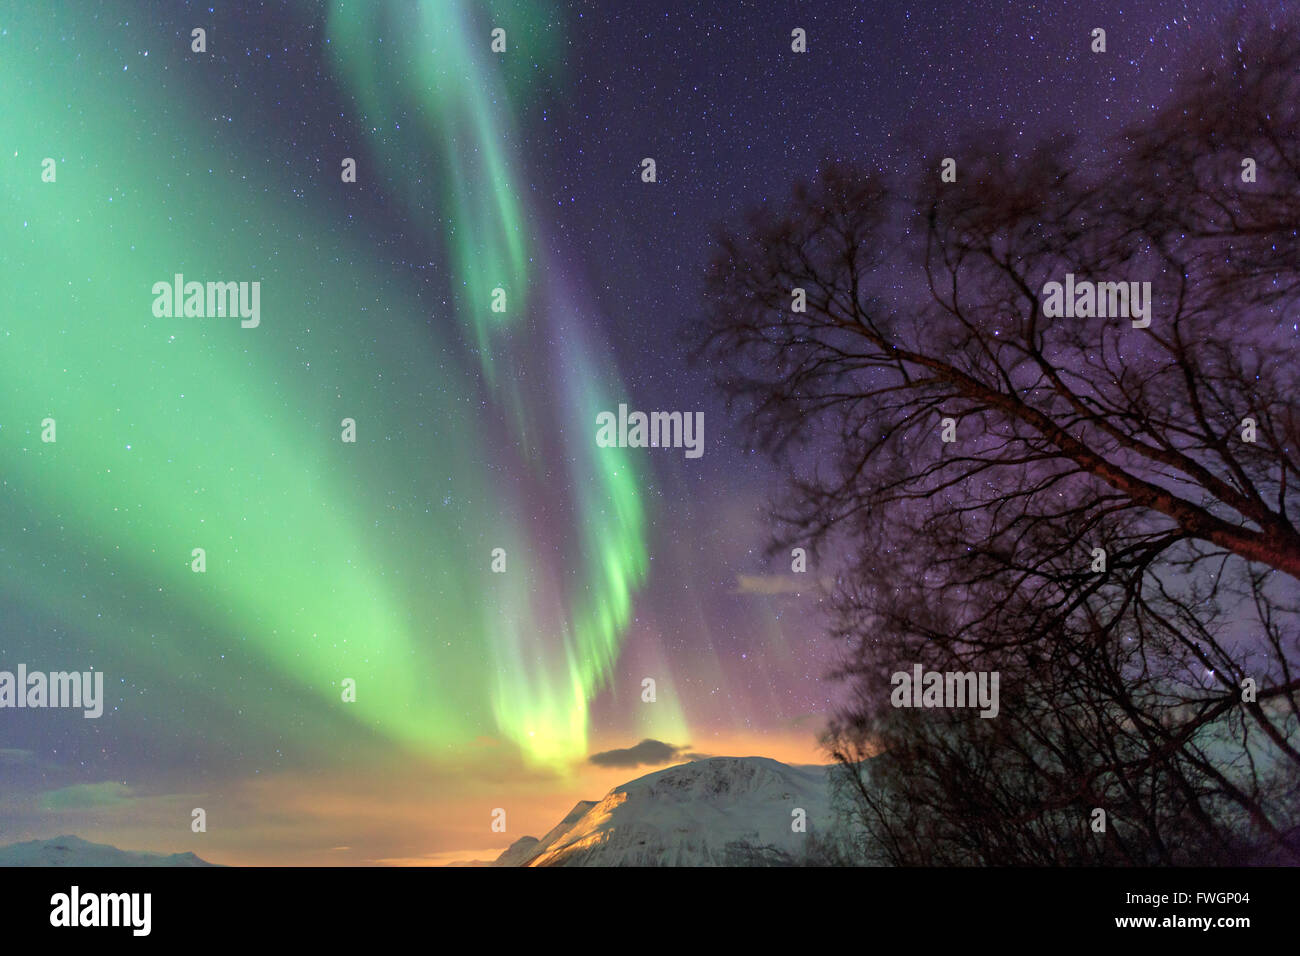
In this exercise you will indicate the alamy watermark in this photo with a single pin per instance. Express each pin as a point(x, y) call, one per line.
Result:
point(923, 688)
point(74, 908)
point(55, 689)
point(1102, 300)
point(198, 300)
point(651, 430)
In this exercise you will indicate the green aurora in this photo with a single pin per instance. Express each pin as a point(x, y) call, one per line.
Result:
point(325, 560)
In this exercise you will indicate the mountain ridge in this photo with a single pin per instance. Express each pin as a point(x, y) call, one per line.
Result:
point(716, 811)
point(69, 850)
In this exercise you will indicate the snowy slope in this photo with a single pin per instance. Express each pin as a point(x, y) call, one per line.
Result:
point(711, 812)
point(74, 851)
point(519, 852)
point(524, 850)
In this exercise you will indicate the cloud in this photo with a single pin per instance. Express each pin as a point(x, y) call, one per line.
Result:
point(770, 584)
point(445, 858)
point(88, 796)
point(648, 752)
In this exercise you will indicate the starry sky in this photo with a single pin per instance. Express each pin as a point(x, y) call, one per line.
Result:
point(371, 561)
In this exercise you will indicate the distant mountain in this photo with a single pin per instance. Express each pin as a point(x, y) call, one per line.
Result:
point(526, 849)
point(74, 851)
point(519, 852)
point(714, 812)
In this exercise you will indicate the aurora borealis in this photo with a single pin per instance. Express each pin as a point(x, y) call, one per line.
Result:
point(230, 442)
point(458, 108)
point(231, 445)
point(326, 561)
point(372, 561)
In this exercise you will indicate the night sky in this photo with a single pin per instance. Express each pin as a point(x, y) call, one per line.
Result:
point(329, 560)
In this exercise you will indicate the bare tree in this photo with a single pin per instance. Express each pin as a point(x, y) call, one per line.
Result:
point(1113, 527)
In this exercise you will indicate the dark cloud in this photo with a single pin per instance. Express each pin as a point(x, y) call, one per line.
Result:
point(648, 753)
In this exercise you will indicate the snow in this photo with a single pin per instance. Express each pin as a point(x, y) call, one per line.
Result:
point(525, 849)
point(74, 851)
point(705, 813)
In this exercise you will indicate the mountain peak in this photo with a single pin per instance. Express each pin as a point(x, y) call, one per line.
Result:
point(708, 812)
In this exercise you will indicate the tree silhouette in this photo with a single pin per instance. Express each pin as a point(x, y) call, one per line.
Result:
point(1113, 529)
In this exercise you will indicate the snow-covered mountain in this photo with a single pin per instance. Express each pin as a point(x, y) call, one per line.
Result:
point(74, 851)
point(713, 812)
point(525, 849)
